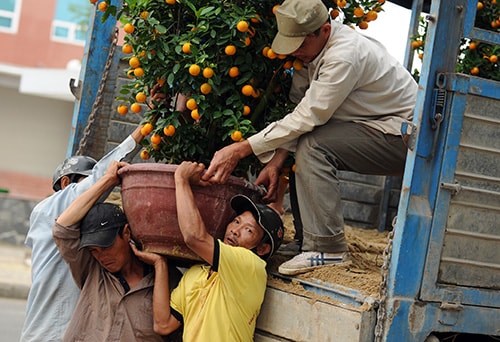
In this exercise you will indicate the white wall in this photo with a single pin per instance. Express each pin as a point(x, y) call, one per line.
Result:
point(34, 132)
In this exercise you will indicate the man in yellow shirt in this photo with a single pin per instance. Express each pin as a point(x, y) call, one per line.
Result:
point(218, 301)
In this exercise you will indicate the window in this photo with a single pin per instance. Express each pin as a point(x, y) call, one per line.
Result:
point(71, 21)
point(9, 15)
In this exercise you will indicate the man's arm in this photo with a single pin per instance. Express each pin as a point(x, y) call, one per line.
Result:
point(191, 223)
point(164, 322)
point(82, 204)
point(225, 160)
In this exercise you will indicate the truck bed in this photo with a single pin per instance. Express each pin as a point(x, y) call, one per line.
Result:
point(331, 303)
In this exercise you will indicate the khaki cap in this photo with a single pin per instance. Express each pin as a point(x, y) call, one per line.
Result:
point(295, 20)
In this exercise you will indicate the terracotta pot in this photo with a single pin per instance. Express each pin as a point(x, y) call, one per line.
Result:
point(148, 195)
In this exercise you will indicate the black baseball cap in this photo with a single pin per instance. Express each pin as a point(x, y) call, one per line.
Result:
point(101, 225)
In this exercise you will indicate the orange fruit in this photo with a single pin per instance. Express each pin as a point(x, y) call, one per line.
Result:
point(195, 115)
point(146, 128)
point(247, 90)
point(236, 135)
point(371, 15)
point(294, 167)
point(208, 72)
point(127, 48)
point(358, 12)
point(144, 14)
point(138, 72)
point(255, 19)
point(242, 26)
point(234, 71)
point(130, 73)
point(256, 94)
point(186, 47)
point(129, 28)
point(134, 62)
point(247, 41)
point(170, 2)
point(265, 50)
point(473, 45)
point(421, 55)
point(493, 58)
point(122, 109)
point(161, 81)
point(144, 154)
point(102, 6)
point(191, 104)
point(363, 25)
point(334, 13)
point(169, 130)
point(246, 110)
point(230, 50)
point(415, 44)
point(480, 5)
point(194, 70)
point(93, 1)
point(474, 71)
point(275, 8)
point(298, 64)
point(156, 139)
point(135, 107)
point(206, 88)
point(341, 3)
point(271, 54)
point(140, 97)
point(287, 65)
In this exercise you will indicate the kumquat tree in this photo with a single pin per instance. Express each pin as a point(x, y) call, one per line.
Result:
point(475, 58)
point(213, 61)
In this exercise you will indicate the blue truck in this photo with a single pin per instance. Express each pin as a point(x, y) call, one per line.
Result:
point(441, 265)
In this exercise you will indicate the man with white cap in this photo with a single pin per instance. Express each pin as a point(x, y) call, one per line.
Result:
point(352, 98)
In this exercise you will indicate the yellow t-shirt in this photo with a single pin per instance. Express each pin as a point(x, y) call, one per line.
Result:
point(223, 306)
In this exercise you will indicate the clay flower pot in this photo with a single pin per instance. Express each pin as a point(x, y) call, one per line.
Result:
point(148, 195)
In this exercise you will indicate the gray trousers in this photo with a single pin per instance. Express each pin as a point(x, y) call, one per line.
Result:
point(338, 146)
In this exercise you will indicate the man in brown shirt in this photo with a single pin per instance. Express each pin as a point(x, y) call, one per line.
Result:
point(116, 287)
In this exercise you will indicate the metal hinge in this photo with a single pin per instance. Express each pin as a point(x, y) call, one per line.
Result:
point(453, 187)
point(439, 101)
point(449, 313)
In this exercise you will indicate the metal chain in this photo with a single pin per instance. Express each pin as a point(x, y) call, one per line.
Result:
point(382, 310)
point(98, 99)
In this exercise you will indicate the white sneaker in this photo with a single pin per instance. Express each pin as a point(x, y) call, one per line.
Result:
point(307, 261)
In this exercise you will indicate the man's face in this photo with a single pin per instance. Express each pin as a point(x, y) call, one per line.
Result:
point(244, 231)
point(312, 45)
point(114, 257)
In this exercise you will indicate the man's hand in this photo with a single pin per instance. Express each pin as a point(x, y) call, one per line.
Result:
point(156, 96)
point(269, 177)
point(191, 172)
point(147, 257)
point(225, 160)
point(112, 172)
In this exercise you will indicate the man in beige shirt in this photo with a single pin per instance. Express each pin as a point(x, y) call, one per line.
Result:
point(352, 98)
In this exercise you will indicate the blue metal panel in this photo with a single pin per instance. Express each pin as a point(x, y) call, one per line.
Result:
point(417, 303)
point(94, 60)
